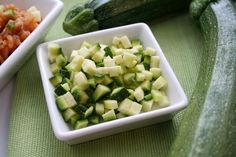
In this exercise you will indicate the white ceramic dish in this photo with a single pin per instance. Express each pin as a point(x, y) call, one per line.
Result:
point(140, 31)
point(50, 10)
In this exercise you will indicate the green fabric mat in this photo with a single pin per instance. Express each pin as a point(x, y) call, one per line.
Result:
point(30, 131)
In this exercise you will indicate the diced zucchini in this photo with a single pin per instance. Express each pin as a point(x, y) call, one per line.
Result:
point(125, 42)
point(98, 78)
point(149, 51)
point(139, 94)
point(102, 70)
point(75, 64)
point(148, 75)
point(54, 50)
point(94, 119)
point(135, 42)
point(65, 101)
point(139, 56)
point(148, 97)
point(98, 56)
point(119, 80)
point(140, 67)
point(88, 112)
point(146, 62)
point(81, 124)
point(119, 94)
point(156, 95)
point(110, 115)
point(147, 105)
point(140, 77)
point(146, 86)
point(61, 60)
point(55, 80)
point(164, 102)
point(62, 89)
point(108, 51)
point(129, 107)
point(89, 67)
point(55, 68)
point(100, 91)
point(155, 62)
point(115, 71)
point(86, 44)
point(120, 115)
point(110, 104)
point(99, 108)
point(76, 94)
point(73, 54)
point(156, 72)
point(92, 82)
point(159, 83)
point(107, 80)
point(116, 41)
point(129, 60)
point(118, 59)
point(95, 48)
point(134, 109)
point(64, 73)
point(73, 119)
point(129, 78)
point(83, 97)
point(68, 113)
point(109, 62)
point(131, 92)
point(84, 52)
point(80, 80)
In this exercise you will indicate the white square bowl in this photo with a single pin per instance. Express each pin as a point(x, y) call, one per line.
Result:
point(176, 95)
point(50, 10)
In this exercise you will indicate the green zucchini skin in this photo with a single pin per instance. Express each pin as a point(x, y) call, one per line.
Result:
point(111, 13)
point(208, 128)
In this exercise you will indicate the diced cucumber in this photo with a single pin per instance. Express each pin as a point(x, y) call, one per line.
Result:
point(129, 60)
point(156, 95)
point(75, 64)
point(125, 42)
point(99, 108)
point(146, 86)
point(119, 80)
point(118, 59)
point(140, 67)
point(129, 78)
point(100, 91)
point(116, 41)
point(89, 67)
point(139, 56)
point(147, 105)
point(155, 62)
point(131, 96)
point(102, 70)
point(115, 71)
point(110, 104)
point(149, 51)
point(54, 50)
point(148, 97)
point(68, 113)
point(107, 80)
point(73, 119)
point(98, 56)
point(73, 54)
point(61, 60)
point(146, 62)
point(119, 94)
point(156, 72)
point(65, 101)
point(95, 48)
point(55, 68)
point(94, 119)
point(108, 51)
point(86, 44)
point(129, 107)
point(164, 102)
point(92, 82)
point(88, 112)
point(81, 124)
point(140, 77)
point(64, 73)
point(84, 52)
point(62, 89)
point(83, 97)
point(159, 83)
point(139, 94)
point(80, 81)
point(135, 42)
point(56, 79)
point(134, 109)
point(148, 75)
point(98, 78)
point(109, 62)
point(120, 115)
point(76, 94)
point(110, 115)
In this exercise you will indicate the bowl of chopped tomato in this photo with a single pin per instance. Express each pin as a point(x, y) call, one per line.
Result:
point(22, 25)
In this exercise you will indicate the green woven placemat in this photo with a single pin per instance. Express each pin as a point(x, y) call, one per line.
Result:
point(30, 131)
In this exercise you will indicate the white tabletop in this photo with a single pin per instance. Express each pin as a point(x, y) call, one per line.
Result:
point(5, 104)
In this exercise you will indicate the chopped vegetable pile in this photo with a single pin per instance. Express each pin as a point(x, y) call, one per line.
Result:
point(100, 82)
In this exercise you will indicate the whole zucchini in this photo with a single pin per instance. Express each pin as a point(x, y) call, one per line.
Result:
point(208, 128)
point(100, 14)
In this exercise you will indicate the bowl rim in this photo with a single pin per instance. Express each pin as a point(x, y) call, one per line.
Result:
point(72, 134)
